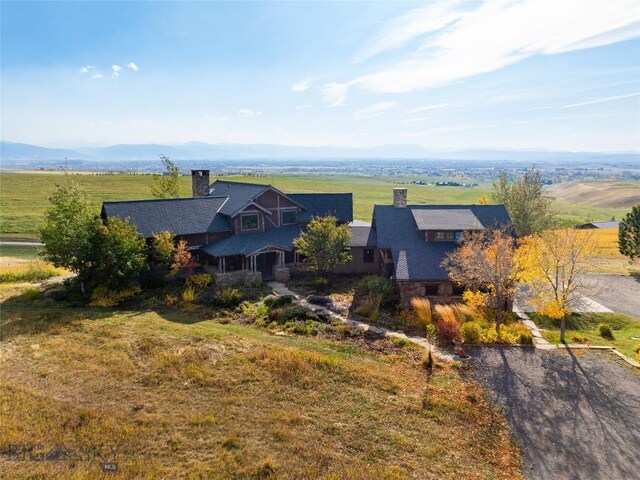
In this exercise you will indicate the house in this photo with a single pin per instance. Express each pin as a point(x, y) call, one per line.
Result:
point(611, 224)
point(411, 241)
point(244, 232)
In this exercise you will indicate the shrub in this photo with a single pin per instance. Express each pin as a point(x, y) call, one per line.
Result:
point(170, 299)
point(507, 334)
point(636, 347)
point(273, 301)
point(320, 284)
point(199, 281)
point(103, 296)
point(319, 300)
point(292, 313)
point(254, 311)
point(448, 331)
point(228, 297)
point(471, 332)
point(422, 307)
point(604, 329)
point(524, 336)
point(477, 300)
point(206, 298)
point(188, 295)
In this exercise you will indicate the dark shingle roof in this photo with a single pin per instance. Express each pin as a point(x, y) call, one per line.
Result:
point(321, 204)
point(181, 216)
point(363, 236)
point(446, 219)
point(611, 224)
point(249, 244)
point(414, 258)
point(240, 194)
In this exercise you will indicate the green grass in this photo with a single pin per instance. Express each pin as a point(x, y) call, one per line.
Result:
point(177, 395)
point(23, 195)
point(25, 252)
point(583, 328)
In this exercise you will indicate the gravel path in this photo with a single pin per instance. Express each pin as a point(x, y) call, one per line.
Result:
point(620, 293)
point(576, 415)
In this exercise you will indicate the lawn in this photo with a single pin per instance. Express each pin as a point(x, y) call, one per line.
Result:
point(23, 195)
point(583, 328)
point(23, 252)
point(174, 395)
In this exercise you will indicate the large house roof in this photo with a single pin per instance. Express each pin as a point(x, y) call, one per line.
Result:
point(414, 258)
point(239, 194)
point(253, 243)
point(446, 219)
point(321, 204)
point(362, 236)
point(181, 216)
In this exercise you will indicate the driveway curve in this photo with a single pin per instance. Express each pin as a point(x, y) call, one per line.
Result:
point(575, 414)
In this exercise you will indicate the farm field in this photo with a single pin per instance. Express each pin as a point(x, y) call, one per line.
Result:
point(23, 195)
point(171, 393)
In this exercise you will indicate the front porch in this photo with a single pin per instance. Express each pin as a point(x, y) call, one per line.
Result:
point(239, 269)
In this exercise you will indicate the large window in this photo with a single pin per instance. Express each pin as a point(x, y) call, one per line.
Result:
point(249, 221)
point(288, 217)
point(367, 255)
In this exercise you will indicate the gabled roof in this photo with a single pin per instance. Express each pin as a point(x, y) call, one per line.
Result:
point(321, 204)
point(414, 258)
point(252, 243)
point(181, 216)
point(363, 236)
point(240, 194)
point(446, 219)
point(610, 224)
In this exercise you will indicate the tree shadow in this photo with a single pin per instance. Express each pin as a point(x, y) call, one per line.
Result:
point(563, 411)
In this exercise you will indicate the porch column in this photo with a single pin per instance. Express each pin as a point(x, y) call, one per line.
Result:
point(224, 264)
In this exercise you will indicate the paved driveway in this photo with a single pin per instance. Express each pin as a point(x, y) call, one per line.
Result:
point(618, 292)
point(576, 415)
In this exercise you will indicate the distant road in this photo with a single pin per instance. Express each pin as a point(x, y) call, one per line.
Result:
point(23, 243)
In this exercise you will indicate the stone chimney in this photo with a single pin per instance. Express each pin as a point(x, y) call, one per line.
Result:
point(200, 183)
point(399, 197)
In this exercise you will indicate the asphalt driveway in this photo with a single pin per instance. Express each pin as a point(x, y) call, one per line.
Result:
point(576, 414)
point(620, 293)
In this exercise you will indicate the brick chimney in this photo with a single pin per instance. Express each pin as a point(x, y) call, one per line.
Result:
point(200, 183)
point(399, 197)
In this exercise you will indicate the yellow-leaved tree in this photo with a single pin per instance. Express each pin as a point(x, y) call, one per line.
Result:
point(552, 264)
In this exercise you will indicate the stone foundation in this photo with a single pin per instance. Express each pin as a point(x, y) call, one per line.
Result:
point(239, 277)
point(409, 290)
point(281, 274)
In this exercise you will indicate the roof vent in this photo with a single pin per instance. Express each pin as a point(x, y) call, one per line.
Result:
point(399, 197)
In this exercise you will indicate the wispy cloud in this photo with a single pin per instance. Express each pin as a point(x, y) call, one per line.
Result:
point(244, 112)
point(133, 66)
point(601, 100)
point(96, 76)
point(86, 69)
point(415, 119)
point(424, 108)
point(115, 71)
point(373, 111)
point(466, 44)
point(301, 86)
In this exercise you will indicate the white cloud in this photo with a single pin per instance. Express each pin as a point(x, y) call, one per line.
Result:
point(373, 111)
point(244, 112)
point(301, 86)
point(435, 106)
point(133, 66)
point(601, 100)
point(86, 69)
point(495, 34)
point(415, 119)
point(97, 76)
point(115, 69)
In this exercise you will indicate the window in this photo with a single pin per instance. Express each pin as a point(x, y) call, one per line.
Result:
point(367, 255)
point(249, 221)
point(431, 290)
point(288, 217)
point(445, 235)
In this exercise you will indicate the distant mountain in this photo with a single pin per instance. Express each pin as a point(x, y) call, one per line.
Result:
point(19, 152)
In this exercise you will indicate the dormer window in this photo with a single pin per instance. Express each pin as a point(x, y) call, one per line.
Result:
point(288, 217)
point(249, 221)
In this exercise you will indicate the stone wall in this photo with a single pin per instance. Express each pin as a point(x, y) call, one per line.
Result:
point(239, 277)
point(281, 274)
point(409, 290)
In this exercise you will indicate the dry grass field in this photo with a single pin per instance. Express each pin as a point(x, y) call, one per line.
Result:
point(171, 396)
point(620, 195)
point(609, 260)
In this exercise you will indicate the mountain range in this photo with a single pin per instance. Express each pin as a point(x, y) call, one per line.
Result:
point(20, 152)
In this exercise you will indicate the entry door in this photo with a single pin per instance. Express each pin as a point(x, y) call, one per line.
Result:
point(265, 263)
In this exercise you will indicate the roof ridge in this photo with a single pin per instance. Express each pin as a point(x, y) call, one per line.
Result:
point(206, 197)
point(244, 183)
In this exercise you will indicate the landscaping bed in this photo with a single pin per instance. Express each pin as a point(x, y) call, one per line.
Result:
point(583, 328)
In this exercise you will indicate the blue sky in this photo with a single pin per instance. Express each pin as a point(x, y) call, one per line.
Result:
point(542, 74)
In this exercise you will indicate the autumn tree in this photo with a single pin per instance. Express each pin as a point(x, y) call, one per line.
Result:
point(67, 229)
point(166, 185)
point(486, 260)
point(524, 199)
point(629, 234)
point(325, 243)
point(553, 263)
point(167, 254)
